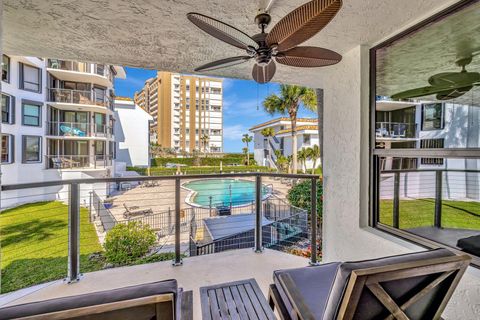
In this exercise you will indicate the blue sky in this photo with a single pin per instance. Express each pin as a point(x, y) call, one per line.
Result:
point(240, 101)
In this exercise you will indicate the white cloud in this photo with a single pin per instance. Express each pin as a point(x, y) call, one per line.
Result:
point(234, 132)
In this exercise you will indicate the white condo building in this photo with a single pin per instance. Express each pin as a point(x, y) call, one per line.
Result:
point(57, 121)
point(265, 146)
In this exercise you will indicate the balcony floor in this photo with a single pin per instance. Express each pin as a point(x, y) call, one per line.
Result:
point(195, 272)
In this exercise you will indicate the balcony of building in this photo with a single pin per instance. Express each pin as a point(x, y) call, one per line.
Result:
point(99, 74)
point(66, 99)
point(78, 130)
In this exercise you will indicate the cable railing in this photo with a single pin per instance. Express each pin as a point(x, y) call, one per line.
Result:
point(441, 204)
point(84, 97)
point(395, 130)
point(77, 129)
point(62, 161)
point(94, 212)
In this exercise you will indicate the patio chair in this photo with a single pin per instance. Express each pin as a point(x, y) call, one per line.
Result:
point(158, 300)
point(135, 211)
point(57, 163)
point(407, 287)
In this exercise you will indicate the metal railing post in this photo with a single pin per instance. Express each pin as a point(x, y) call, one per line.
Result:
point(258, 213)
point(74, 233)
point(438, 199)
point(90, 216)
point(396, 200)
point(178, 257)
point(313, 242)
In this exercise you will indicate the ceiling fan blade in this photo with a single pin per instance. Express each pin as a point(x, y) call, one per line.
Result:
point(426, 91)
point(224, 63)
point(454, 79)
point(452, 94)
point(303, 23)
point(308, 57)
point(264, 73)
point(222, 31)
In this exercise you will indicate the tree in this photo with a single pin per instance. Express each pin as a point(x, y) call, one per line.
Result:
point(314, 154)
point(204, 139)
point(267, 133)
point(303, 156)
point(247, 139)
point(289, 101)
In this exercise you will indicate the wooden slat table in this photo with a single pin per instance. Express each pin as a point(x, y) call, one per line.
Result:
point(239, 300)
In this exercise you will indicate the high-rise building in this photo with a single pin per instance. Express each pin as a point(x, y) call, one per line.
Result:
point(187, 111)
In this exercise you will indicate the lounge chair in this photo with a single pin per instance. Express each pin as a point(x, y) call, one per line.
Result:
point(158, 300)
point(411, 286)
point(135, 211)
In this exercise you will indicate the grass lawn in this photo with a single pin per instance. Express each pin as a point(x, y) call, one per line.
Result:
point(420, 213)
point(34, 240)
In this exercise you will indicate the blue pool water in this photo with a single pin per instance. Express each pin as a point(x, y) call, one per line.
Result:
point(223, 192)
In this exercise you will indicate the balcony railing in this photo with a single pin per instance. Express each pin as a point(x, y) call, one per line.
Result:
point(73, 219)
point(93, 68)
point(77, 161)
point(395, 130)
point(79, 97)
point(77, 129)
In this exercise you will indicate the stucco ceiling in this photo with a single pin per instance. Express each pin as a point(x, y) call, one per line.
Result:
point(409, 62)
point(156, 34)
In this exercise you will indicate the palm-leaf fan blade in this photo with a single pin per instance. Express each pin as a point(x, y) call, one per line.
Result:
point(222, 31)
point(303, 23)
point(223, 63)
point(308, 57)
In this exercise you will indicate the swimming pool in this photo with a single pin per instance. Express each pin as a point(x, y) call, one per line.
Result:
point(222, 192)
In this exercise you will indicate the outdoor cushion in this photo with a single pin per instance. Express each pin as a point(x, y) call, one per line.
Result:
point(91, 299)
point(322, 287)
point(470, 245)
point(313, 283)
point(394, 288)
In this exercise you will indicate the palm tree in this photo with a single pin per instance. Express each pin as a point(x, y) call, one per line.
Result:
point(267, 133)
point(204, 139)
point(289, 101)
point(302, 156)
point(247, 139)
point(314, 153)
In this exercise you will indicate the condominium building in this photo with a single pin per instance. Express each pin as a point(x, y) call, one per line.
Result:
point(57, 119)
point(187, 111)
point(265, 147)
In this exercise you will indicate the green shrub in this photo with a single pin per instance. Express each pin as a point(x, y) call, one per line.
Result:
point(126, 243)
point(161, 171)
point(202, 161)
point(299, 196)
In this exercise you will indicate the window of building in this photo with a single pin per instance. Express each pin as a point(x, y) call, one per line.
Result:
point(31, 113)
point(432, 144)
point(8, 109)
point(100, 149)
point(425, 188)
point(306, 139)
point(31, 149)
point(30, 78)
point(432, 116)
point(5, 68)
point(7, 148)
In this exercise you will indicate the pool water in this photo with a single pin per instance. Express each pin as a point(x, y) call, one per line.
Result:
point(223, 192)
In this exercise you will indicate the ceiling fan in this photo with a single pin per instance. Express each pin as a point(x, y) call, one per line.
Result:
point(446, 85)
point(280, 44)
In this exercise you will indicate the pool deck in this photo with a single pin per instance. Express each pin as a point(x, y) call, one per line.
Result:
point(161, 198)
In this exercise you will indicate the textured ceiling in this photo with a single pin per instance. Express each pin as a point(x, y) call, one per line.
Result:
point(156, 34)
point(409, 62)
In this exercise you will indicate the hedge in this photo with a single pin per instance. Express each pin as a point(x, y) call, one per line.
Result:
point(161, 171)
point(201, 161)
point(299, 196)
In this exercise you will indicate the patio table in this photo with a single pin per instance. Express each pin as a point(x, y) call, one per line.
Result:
point(235, 300)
